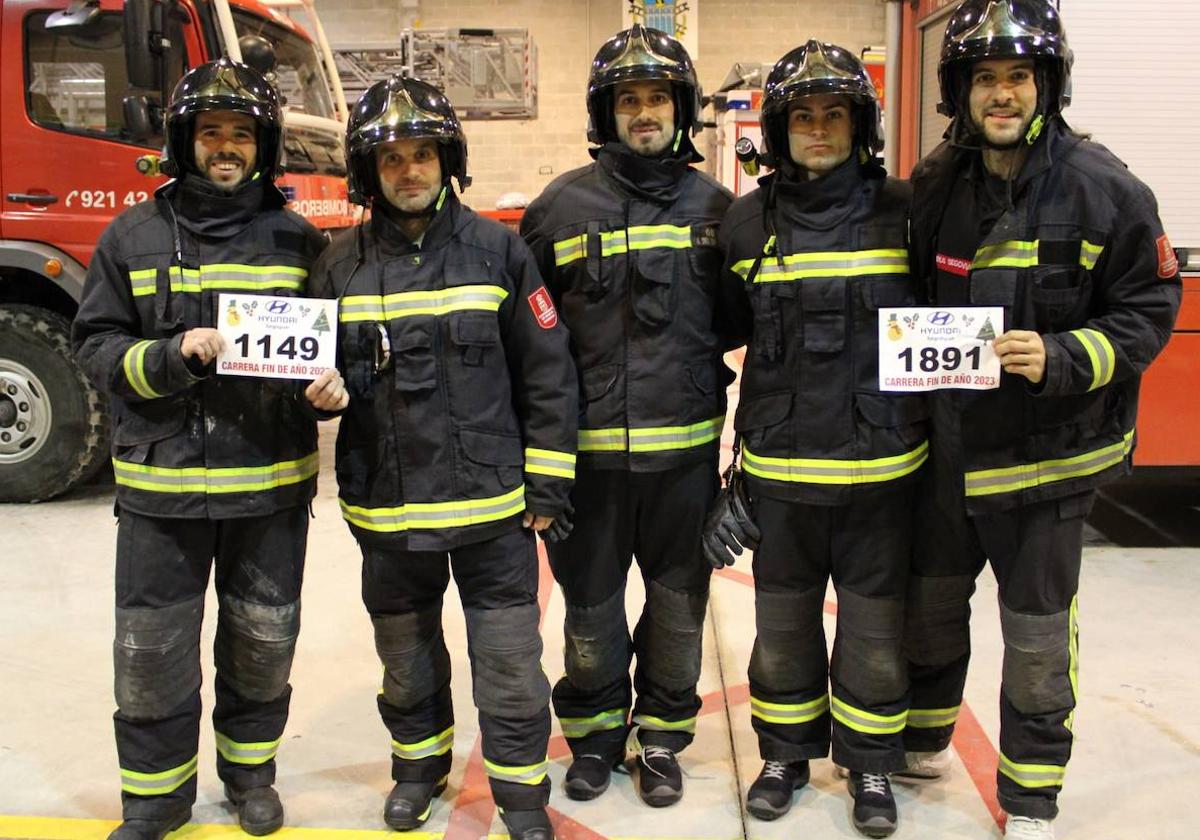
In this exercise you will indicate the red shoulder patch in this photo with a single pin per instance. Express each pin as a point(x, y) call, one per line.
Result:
point(543, 308)
point(1168, 264)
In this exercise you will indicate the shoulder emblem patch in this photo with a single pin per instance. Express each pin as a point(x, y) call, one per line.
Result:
point(1168, 265)
point(543, 308)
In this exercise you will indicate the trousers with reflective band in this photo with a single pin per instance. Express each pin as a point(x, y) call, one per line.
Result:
point(259, 752)
point(221, 277)
point(439, 744)
point(835, 471)
point(1017, 253)
point(477, 297)
point(1021, 477)
point(580, 727)
point(651, 439)
point(215, 480)
point(413, 516)
point(792, 267)
point(635, 238)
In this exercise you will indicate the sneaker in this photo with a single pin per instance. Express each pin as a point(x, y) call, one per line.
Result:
point(874, 805)
point(587, 777)
point(527, 825)
point(660, 782)
point(139, 829)
point(770, 797)
point(258, 808)
point(923, 767)
point(409, 804)
point(1028, 828)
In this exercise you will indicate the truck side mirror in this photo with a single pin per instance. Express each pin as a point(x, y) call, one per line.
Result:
point(143, 43)
point(143, 119)
point(259, 53)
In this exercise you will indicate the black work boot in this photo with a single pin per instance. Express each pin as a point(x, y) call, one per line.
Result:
point(139, 829)
point(874, 805)
point(527, 825)
point(587, 777)
point(409, 804)
point(660, 782)
point(258, 808)
point(770, 797)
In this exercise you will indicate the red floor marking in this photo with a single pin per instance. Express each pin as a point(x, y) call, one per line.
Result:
point(566, 828)
point(980, 757)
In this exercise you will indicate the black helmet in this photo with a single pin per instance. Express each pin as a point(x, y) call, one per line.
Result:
point(641, 54)
point(998, 29)
point(223, 85)
point(810, 70)
point(399, 108)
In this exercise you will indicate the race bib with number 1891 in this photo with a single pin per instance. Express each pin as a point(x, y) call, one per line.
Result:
point(924, 348)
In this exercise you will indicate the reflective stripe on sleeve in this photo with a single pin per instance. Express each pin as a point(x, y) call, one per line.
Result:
point(259, 752)
point(483, 298)
point(215, 479)
point(158, 784)
point(430, 515)
point(1032, 775)
point(439, 744)
point(1100, 353)
point(832, 471)
point(789, 713)
point(866, 722)
point(1027, 476)
point(549, 462)
point(135, 370)
point(581, 727)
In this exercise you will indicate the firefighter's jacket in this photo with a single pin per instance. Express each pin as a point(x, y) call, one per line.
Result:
point(462, 392)
point(1079, 257)
point(188, 443)
point(815, 262)
point(628, 247)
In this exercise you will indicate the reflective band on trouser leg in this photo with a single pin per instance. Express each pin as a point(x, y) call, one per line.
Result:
point(416, 516)
point(253, 753)
point(581, 727)
point(1032, 775)
point(483, 298)
point(158, 784)
point(437, 745)
point(1027, 476)
point(1100, 353)
point(215, 479)
point(866, 722)
point(932, 718)
point(1073, 673)
point(659, 725)
point(530, 774)
point(832, 471)
point(789, 713)
point(651, 439)
point(549, 462)
point(135, 370)
point(792, 267)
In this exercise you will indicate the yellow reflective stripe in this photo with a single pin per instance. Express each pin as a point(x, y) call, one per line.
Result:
point(789, 713)
point(479, 297)
point(1028, 476)
point(1100, 353)
point(658, 724)
point(644, 237)
point(530, 774)
point(549, 462)
point(613, 242)
point(157, 784)
point(427, 515)
point(1014, 253)
point(833, 471)
point(1033, 775)
point(143, 281)
point(1089, 254)
point(826, 264)
point(932, 718)
point(603, 440)
point(569, 250)
point(651, 439)
point(135, 370)
point(439, 744)
point(256, 752)
point(580, 727)
point(215, 479)
point(1073, 652)
point(221, 276)
point(866, 722)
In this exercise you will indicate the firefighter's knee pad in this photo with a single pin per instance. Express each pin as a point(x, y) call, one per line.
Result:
point(156, 658)
point(596, 643)
point(671, 636)
point(868, 659)
point(789, 650)
point(1037, 661)
point(506, 661)
point(413, 652)
point(255, 645)
point(937, 619)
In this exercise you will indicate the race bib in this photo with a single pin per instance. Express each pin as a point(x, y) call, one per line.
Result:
point(925, 348)
point(276, 337)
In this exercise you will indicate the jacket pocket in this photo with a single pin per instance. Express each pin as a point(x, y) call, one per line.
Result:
point(823, 303)
point(140, 427)
point(655, 285)
point(1060, 297)
point(904, 413)
point(495, 451)
point(598, 381)
point(473, 333)
point(755, 419)
point(703, 376)
point(413, 356)
point(881, 294)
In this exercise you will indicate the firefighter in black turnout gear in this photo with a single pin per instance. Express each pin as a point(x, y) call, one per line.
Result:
point(461, 430)
point(828, 460)
point(207, 467)
point(628, 245)
point(1016, 210)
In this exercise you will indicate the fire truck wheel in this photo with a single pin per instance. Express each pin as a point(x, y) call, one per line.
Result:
point(53, 423)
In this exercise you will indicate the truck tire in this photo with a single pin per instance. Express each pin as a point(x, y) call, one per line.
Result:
point(53, 424)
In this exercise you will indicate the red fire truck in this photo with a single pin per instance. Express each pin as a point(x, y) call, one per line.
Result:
point(82, 84)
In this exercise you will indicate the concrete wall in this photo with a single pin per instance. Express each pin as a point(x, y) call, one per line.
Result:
point(514, 155)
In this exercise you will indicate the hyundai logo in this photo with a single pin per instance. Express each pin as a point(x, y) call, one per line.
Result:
point(279, 307)
point(941, 319)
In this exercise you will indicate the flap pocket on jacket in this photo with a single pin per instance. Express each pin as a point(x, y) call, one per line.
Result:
point(151, 421)
point(493, 449)
point(474, 332)
point(891, 411)
point(763, 412)
point(656, 273)
point(880, 294)
point(413, 357)
point(994, 287)
point(704, 376)
point(823, 303)
point(598, 381)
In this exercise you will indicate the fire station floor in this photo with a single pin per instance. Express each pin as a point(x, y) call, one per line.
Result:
point(1134, 772)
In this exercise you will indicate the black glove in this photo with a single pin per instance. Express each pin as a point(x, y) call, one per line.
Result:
point(560, 528)
point(730, 526)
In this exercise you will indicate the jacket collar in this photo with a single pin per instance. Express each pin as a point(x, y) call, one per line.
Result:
point(447, 221)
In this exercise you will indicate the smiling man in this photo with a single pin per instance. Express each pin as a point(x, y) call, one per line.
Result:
point(1018, 211)
point(628, 247)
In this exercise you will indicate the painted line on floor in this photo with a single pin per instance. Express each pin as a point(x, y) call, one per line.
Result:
point(52, 828)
